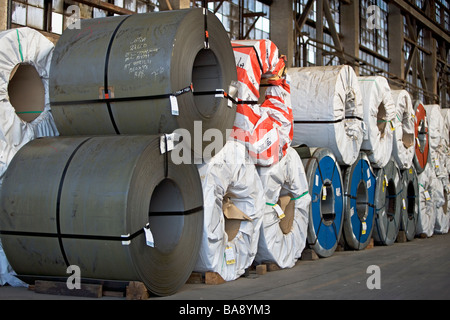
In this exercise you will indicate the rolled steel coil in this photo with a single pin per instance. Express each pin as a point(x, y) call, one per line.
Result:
point(359, 203)
point(421, 133)
point(97, 202)
point(24, 96)
point(144, 74)
point(410, 202)
point(328, 110)
point(285, 222)
point(326, 212)
point(388, 204)
point(404, 140)
point(379, 114)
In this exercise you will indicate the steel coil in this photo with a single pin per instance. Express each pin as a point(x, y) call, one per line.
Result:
point(421, 133)
point(359, 203)
point(326, 212)
point(410, 202)
point(388, 204)
point(144, 74)
point(78, 201)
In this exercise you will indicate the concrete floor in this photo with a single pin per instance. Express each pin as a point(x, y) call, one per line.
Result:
point(419, 269)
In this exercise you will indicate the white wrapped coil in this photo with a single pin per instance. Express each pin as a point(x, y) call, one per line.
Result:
point(231, 187)
point(285, 222)
point(379, 114)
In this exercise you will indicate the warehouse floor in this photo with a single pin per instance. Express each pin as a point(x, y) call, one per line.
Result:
point(419, 269)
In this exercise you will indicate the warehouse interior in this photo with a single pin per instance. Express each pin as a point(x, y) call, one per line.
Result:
point(410, 44)
point(356, 51)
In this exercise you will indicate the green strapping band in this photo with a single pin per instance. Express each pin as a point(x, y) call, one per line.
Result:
point(22, 112)
point(20, 46)
point(304, 194)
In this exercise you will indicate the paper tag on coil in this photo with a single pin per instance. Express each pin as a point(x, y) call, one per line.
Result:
point(404, 204)
point(338, 192)
point(174, 105)
point(427, 195)
point(167, 142)
point(324, 193)
point(229, 255)
point(369, 183)
point(364, 227)
point(149, 236)
point(279, 211)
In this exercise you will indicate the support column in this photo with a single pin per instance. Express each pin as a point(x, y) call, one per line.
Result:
point(430, 63)
point(3, 14)
point(319, 32)
point(282, 28)
point(396, 41)
point(351, 30)
point(173, 4)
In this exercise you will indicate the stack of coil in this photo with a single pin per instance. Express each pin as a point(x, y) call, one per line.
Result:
point(24, 104)
point(119, 89)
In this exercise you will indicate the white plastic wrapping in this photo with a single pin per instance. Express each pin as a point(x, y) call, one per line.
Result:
point(379, 114)
point(23, 46)
point(228, 175)
point(22, 49)
point(328, 111)
point(446, 138)
point(427, 210)
point(437, 142)
point(285, 222)
point(404, 139)
point(439, 200)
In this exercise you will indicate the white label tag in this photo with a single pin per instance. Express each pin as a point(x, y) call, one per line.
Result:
point(386, 180)
point(125, 242)
point(404, 204)
point(279, 211)
point(364, 227)
point(167, 143)
point(229, 255)
point(338, 192)
point(149, 236)
point(324, 193)
point(427, 195)
point(317, 180)
point(369, 183)
point(174, 105)
point(219, 93)
point(368, 173)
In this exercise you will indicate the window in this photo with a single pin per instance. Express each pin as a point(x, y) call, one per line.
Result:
point(28, 13)
point(254, 27)
point(306, 52)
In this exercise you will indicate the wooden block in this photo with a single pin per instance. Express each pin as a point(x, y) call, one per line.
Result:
point(272, 266)
point(309, 254)
point(401, 237)
point(213, 278)
point(371, 244)
point(60, 288)
point(115, 294)
point(136, 290)
point(423, 236)
point(261, 269)
point(195, 277)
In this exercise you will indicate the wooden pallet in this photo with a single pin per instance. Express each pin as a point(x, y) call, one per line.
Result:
point(135, 290)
